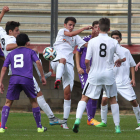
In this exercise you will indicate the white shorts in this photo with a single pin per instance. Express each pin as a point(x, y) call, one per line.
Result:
point(126, 91)
point(36, 85)
point(94, 91)
point(68, 75)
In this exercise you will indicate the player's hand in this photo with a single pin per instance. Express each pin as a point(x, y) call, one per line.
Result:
point(88, 27)
point(87, 70)
point(80, 70)
point(118, 63)
point(137, 66)
point(44, 82)
point(5, 9)
point(133, 83)
point(1, 88)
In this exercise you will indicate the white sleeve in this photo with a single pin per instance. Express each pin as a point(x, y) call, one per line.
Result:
point(2, 32)
point(89, 52)
point(131, 60)
point(61, 31)
point(11, 40)
point(119, 51)
point(79, 41)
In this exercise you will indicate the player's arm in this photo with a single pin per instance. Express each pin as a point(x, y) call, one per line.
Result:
point(77, 57)
point(132, 69)
point(4, 10)
point(39, 65)
point(87, 63)
point(73, 33)
point(10, 47)
point(3, 71)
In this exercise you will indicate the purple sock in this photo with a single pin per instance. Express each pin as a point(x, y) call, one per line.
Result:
point(91, 108)
point(37, 116)
point(4, 117)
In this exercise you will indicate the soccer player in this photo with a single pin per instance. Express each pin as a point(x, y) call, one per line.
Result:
point(21, 60)
point(101, 75)
point(63, 64)
point(8, 43)
point(124, 83)
point(81, 68)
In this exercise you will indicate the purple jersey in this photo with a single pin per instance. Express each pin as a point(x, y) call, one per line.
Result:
point(21, 60)
point(1, 53)
point(83, 53)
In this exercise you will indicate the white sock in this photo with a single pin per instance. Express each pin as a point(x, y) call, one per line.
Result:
point(115, 113)
point(59, 71)
point(104, 110)
point(80, 109)
point(66, 107)
point(44, 106)
point(137, 113)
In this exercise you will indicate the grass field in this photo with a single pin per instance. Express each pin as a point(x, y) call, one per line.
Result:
point(21, 126)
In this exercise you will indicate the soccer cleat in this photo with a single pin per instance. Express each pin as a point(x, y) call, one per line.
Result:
point(47, 75)
point(117, 129)
point(101, 125)
point(93, 122)
point(76, 126)
point(57, 83)
point(5, 127)
point(64, 126)
point(2, 130)
point(56, 121)
point(138, 128)
point(43, 129)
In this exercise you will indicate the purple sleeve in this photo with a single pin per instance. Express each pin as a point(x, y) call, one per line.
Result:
point(7, 61)
point(34, 56)
point(1, 53)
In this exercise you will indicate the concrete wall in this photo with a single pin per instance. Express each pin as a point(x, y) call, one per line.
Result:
point(55, 97)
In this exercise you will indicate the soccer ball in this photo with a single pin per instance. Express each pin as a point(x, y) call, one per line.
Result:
point(49, 53)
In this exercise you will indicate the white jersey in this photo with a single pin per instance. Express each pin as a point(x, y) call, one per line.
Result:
point(122, 73)
point(5, 40)
point(101, 49)
point(65, 45)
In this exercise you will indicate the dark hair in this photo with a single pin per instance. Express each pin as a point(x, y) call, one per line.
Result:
point(11, 25)
point(69, 19)
point(22, 39)
point(95, 22)
point(116, 32)
point(104, 24)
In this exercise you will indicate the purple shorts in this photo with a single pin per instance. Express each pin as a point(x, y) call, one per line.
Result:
point(83, 78)
point(14, 89)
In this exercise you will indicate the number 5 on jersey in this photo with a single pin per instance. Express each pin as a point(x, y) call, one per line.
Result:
point(18, 61)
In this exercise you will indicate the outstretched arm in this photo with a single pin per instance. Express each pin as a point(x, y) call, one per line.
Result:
point(137, 66)
point(132, 69)
point(3, 71)
point(73, 33)
point(4, 10)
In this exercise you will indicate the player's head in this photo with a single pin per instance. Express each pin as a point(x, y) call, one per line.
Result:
point(104, 24)
point(69, 23)
point(95, 24)
point(12, 28)
point(116, 35)
point(22, 39)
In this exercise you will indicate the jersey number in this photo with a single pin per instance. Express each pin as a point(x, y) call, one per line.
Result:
point(103, 48)
point(18, 61)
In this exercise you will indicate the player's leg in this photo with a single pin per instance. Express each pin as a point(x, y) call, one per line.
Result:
point(91, 104)
point(111, 92)
point(68, 81)
point(89, 91)
point(5, 114)
point(79, 112)
point(59, 72)
point(104, 110)
point(45, 107)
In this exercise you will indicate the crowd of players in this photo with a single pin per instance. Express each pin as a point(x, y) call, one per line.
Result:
point(101, 64)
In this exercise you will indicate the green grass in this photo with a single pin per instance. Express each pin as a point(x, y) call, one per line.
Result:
point(21, 126)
